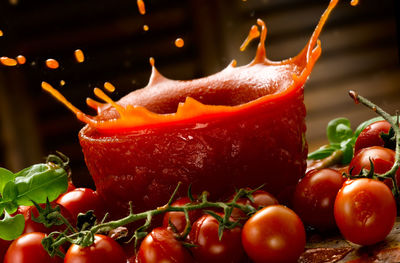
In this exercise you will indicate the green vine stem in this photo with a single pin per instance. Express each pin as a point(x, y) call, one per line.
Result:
point(392, 172)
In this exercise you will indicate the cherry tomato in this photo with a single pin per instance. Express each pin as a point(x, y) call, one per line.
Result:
point(28, 249)
point(178, 218)
point(103, 250)
point(208, 247)
point(161, 246)
point(81, 200)
point(382, 158)
point(32, 226)
point(261, 199)
point(315, 196)
point(371, 135)
point(274, 234)
point(365, 211)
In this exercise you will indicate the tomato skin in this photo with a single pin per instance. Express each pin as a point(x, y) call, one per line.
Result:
point(81, 200)
point(370, 136)
point(274, 234)
point(28, 249)
point(178, 218)
point(103, 250)
point(261, 199)
point(315, 196)
point(365, 211)
point(4, 244)
point(208, 247)
point(161, 246)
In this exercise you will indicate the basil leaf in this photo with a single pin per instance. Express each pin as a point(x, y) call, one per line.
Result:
point(347, 149)
point(321, 153)
point(11, 227)
point(339, 130)
point(37, 183)
point(5, 177)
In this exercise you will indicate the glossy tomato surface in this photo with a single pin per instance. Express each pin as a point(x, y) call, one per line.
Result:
point(161, 246)
point(365, 211)
point(81, 200)
point(4, 244)
point(103, 250)
point(315, 196)
point(371, 135)
point(274, 234)
point(28, 249)
point(178, 218)
point(209, 248)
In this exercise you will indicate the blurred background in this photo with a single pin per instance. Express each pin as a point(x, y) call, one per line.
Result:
point(360, 52)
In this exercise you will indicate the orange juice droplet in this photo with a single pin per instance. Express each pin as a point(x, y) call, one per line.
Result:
point(109, 87)
point(6, 61)
point(179, 42)
point(62, 83)
point(146, 28)
point(354, 2)
point(254, 33)
point(79, 56)
point(1, 33)
point(52, 63)
point(141, 7)
point(21, 59)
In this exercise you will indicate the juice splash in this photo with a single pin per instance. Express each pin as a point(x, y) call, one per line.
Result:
point(141, 7)
point(10, 62)
point(21, 59)
point(79, 56)
point(52, 63)
point(179, 42)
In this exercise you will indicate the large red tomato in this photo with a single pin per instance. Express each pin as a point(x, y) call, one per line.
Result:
point(103, 250)
point(161, 246)
point(28, 249)
point(274, 234)
point(365, 211)
point(209, 248)
point(315, 196)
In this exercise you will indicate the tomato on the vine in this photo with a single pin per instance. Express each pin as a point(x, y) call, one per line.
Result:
point(274, 234)
point(371, 135)
point(103, 250)
point(315, 196)
point(81, 200)
point(209, 248)
point(261, 199)
point(178, 219)
point(365, 211)
point(161, 246)
point(28, 248)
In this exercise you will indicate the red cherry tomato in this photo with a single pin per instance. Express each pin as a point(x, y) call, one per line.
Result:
point(178, 218)
point(208, 247)
point(261, 199)
point(28, 249)
point(382, 158)
point(371, 135)
point(81, 200)
point(315, 196)
point(365, 211)
point(32, 226)
point(274, 234)
point(161, 246)
point(103, 250)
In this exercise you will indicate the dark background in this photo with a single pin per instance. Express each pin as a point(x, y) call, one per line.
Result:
point(360, 52)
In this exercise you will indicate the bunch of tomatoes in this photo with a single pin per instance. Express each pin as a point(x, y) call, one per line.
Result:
point(363, 209)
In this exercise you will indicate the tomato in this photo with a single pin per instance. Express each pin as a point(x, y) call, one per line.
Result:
point(382, 158)
point(261, 199)
point(178, 218)
point(315, 196)
point(161, 246)
point(365, 211)
point(208, 247)
point(81, 200)
point(4, 244)
point(28, 249)
point(274, 234)
point(371, 135)
point(32, 226)
point(103, 250)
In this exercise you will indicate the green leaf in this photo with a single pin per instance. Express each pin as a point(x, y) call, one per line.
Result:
point(5, 177)
point(339, 130)
point(37, 183)
point(11, 227)
point(321, 153)
point(347, 149)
